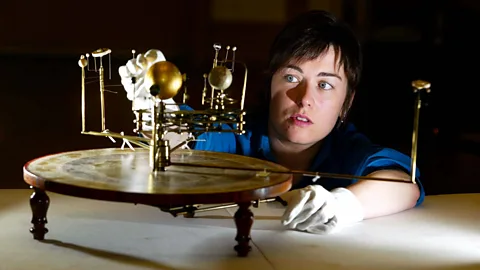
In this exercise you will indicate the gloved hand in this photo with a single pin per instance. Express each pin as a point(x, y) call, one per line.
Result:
point(136, 91)
point(136, 68)
point(315, 210)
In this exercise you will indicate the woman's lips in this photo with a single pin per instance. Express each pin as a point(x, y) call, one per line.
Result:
point(301, 120)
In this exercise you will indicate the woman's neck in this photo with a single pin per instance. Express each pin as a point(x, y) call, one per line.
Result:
point(292, 155)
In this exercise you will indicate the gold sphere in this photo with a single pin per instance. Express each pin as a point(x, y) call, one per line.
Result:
point(163, 80)
point(220, 77)
point(82, 62)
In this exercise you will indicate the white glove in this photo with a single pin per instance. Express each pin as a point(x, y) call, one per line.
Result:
point(136, 92)
point(315, 210)
point(141, 97)
point(137, 68)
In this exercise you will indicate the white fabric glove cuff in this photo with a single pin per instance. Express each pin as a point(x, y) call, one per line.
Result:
point(349, 209)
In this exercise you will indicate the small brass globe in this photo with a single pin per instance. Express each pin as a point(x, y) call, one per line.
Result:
point(220, 77)
point(163, 80)
point(82, 62)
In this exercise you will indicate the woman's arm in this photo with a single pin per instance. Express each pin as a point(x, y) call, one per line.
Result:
point(380, 198)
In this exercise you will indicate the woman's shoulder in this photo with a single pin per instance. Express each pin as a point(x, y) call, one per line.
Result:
point(348, 135)
point(350, 142)
point(347, 142)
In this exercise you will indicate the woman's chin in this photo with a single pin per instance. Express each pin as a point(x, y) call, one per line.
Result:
point(303, 140)
point(302, 137)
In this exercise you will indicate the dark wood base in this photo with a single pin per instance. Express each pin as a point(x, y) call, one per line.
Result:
point(39, 203)
point(196, 183)
point(244, 221)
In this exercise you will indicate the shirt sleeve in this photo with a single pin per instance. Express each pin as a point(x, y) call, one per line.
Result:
point(364, 157)
point(216, 142)
point(387, 158)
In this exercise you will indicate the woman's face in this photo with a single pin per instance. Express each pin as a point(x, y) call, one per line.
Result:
point(307, 99)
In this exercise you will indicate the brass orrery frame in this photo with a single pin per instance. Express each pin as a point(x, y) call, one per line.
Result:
point(209, 120)
point(212, 119)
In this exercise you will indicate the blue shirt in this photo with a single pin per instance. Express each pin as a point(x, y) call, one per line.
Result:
point(343, 151)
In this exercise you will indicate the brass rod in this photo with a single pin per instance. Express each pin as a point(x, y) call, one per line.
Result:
point(139, 144)
point(244, 88)
point(102, 98)
point(134, 80)
point(153, 157)
point(416, 120)
point(83, 99)
point(135, 140)
point(211, 97)
point(304, 173)
point(224, 206)
point(182, 144)
point(418, 87)
point(116, 135)
point(196, 209)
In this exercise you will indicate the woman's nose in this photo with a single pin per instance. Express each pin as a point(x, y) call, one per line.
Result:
point(305, 94)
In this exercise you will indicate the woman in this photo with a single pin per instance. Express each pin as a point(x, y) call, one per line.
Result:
point(314, 69)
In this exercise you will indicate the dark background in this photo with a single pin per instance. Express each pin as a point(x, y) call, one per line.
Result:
point(41, 41)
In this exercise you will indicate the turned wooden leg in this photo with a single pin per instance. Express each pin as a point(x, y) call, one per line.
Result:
point(39, 203)
point(243, 221)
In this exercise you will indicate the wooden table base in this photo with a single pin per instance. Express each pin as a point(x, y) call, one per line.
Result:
point(125, 176)
point(40, 202)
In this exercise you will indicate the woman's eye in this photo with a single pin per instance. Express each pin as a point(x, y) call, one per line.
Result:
point(325, 85)
point(291, 79)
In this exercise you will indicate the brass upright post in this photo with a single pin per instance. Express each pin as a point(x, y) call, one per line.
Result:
point(99, 54)
point(83, 99)
point(163, 146)
point(154, 139)
point(416, 119)
point(102, 98)
point(163, 154)
point(418, 86)
point(159, 147)
point(83, 63)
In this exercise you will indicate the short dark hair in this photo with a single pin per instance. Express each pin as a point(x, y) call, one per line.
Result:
point(308, 36)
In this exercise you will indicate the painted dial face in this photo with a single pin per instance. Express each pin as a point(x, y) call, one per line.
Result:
point(129, 171)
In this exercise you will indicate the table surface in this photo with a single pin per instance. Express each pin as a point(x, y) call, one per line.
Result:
point(113, 172)
point(443, 233)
